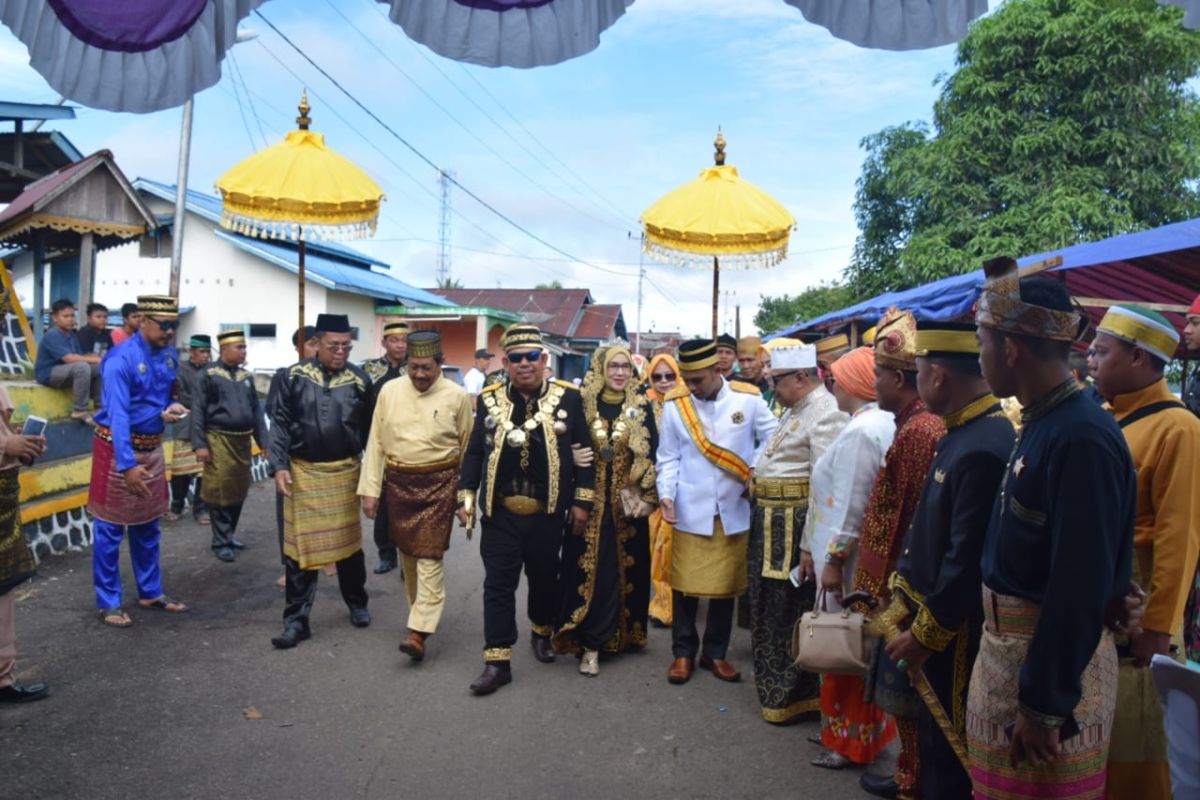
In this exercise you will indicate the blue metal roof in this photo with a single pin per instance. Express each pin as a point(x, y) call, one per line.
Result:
point(1157, 265)
point(209, 207)
point(10, 110)
point(334, 273)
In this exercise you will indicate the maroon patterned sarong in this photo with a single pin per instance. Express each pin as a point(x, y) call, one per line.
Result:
point(420, 504)
point(111, 500)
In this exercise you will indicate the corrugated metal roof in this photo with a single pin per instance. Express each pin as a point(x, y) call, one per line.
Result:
point(598, 322)
point(555, 311)
point(334, 273)
point(10, 110)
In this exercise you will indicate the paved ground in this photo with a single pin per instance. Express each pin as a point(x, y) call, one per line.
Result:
point(164, 709)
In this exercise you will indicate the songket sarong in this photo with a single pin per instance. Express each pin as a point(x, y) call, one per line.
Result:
point(709, 566)
point(421, 500)
point(321, 523)
point(16, 561)
point(110, 499)
point(660, 567)
point(183, 458)
point(1080, 771)
point(785, 692)
point(227, 473)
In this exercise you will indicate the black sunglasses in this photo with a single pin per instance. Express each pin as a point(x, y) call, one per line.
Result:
point(531, 356)
point(663, 376)
point(167, 325)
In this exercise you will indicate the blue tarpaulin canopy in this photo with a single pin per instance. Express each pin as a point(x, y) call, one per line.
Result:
point(1161, 265)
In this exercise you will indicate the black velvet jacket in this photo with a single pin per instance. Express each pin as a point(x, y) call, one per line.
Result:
point(319, 415)
point(225, 399)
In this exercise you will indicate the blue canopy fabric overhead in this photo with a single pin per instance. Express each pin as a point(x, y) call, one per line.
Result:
point(1161, 265)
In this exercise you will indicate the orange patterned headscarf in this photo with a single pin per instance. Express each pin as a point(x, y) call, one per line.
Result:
point(855, 372)
point(661, 359)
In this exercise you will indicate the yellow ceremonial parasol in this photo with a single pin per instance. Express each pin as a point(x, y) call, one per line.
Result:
point(299, 190)
point(721, 216)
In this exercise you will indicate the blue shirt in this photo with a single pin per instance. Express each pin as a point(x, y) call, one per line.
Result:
point(137, 388)
point(55, 344)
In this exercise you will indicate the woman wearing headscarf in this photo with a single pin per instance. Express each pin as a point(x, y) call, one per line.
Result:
point(663, 375)
point(853, 730)
point(606, 572)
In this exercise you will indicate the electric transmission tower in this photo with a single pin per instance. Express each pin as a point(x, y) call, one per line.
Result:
point(443, 259)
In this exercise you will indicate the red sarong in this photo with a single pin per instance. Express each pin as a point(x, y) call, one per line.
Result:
point(112, 501)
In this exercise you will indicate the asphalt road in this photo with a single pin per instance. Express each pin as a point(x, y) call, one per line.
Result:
point(201, 706)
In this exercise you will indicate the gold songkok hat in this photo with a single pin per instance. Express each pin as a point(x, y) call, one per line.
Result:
point(231, 336)
point(1001, 308)
point(394, 328)
point(1142, 328)
point(158, 305)
point(829, 348)
point(947, 339)
point(896, 340)
point(868, 336)
point(521, 337)
point(697, 354)
point(747, 346)
point(424, 344)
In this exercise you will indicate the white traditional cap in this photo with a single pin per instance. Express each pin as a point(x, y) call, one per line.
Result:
point(791, 359)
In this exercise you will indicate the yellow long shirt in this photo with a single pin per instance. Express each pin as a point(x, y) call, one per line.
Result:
point(1166, 538)
point(415, 428)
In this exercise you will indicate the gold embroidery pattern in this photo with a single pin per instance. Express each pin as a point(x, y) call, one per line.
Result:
point(499, 411)
point(311, 371)
point(497, 654)
point(541, 630)
point(218, 371)
point(929, 633)
point(585, 495)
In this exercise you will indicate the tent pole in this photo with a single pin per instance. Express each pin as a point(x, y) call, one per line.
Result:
point(300, 335)
point(716, 294)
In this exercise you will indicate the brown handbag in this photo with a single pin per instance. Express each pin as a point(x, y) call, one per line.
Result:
point(831, 642)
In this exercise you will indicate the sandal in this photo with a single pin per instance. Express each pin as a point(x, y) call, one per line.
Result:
point(84, 417)
point(107, 615)
point(816, 739)
point(831, 760)
point(170, 516)
point(166, 604)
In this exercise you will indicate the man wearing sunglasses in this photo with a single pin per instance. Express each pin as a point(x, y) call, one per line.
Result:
point(319, 427)
point(530, 484)
point(129, 475)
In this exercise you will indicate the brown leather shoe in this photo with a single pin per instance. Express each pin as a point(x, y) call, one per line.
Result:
point(721, 668)
point(493, 678)
point(414, 645)
point(680, 671)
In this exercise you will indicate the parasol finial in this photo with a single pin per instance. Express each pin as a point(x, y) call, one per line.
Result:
point(719, 143)
point(304, 120)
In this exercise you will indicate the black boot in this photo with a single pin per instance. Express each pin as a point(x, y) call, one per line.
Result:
point(879, 785)
point(543, 648)
point(495, 674)
point(293, 634)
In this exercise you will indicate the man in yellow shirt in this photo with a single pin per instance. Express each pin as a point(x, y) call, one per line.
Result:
point(419, 433)
point(1132, 347)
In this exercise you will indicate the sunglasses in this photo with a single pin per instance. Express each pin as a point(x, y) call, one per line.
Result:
point(531, 356)
point(167, 325)
point(663, 376)
point(340, 348)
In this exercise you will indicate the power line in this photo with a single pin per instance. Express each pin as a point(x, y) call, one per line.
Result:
point(241, 110)
point(237, 70)
point(480, 140)
point(409, 146)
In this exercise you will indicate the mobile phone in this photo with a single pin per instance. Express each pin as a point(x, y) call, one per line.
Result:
point(182, 414)
point(34, 426)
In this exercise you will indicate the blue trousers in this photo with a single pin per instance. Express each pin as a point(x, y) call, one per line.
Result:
point(106, 561)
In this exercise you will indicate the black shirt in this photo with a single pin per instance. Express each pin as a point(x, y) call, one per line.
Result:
point(318, 414)
point(225, 400)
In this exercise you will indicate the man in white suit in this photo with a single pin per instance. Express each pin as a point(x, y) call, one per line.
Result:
point(712, 431)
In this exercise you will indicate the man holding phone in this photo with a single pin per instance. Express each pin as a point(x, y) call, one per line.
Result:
point(129, 477)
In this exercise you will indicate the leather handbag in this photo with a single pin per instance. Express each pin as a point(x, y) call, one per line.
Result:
point(831, 642)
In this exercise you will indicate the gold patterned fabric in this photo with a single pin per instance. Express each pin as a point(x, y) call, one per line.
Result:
point(321, 522)
point(709, 566)
point(1000, 307)
point(16, 561)
point(896, 341)
point(227, 474)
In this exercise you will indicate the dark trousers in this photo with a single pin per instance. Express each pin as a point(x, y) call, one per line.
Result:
point(279, 526)
point(224, 521)
point(383, 532)
point(301, 588)
point(718, 627)
point(179, 493)
point(508, 543)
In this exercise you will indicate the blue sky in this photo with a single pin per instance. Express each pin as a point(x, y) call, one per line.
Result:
point(620, 127)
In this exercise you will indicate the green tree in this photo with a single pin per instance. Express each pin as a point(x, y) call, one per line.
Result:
point(449, 283)
point(554, 284)
point(1064, 121)
point(777, 313)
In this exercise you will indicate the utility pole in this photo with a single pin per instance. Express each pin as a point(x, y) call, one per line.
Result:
point(637, 333)
point(443, 260)
point(737, 321)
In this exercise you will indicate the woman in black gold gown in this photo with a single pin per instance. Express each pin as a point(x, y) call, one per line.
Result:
point(605, 587)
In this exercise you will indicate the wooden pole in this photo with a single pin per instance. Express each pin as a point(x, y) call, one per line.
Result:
point(87, 270)
point(39, 279)
point(300, 336)
point(716, 294)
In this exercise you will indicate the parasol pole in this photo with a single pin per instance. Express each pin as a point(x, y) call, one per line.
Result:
point(716, 294)
point(300, 335)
